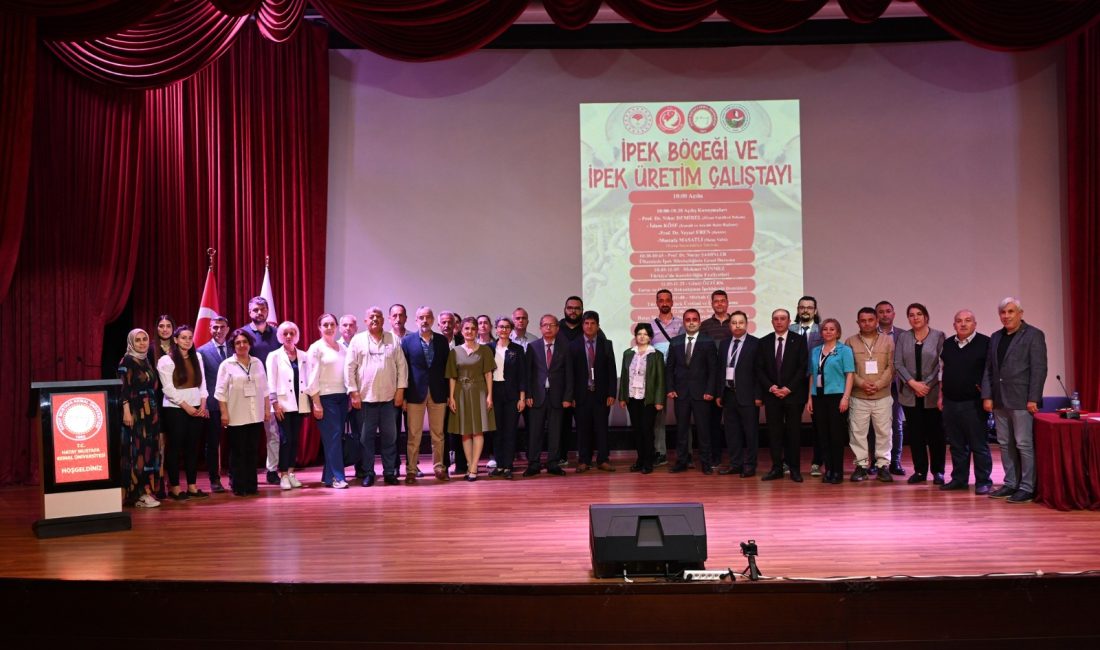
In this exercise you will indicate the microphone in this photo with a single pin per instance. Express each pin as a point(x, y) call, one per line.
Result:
point(1071, 413)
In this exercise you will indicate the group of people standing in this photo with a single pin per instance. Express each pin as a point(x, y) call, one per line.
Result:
point(483, 377)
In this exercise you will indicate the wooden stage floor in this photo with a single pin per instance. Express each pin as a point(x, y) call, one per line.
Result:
point(535, 531)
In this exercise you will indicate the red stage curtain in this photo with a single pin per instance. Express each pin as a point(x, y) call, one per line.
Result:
point(17, 54)
point(421, 31)
point(1011, 24)
point(78, 251)
point(1083, 172)
point(572, 14)
point(864, 11)
point(769, 16)
point(99, 22)
point(663, 15)
point(279, 19)
point(171, 45)
point(237, 160)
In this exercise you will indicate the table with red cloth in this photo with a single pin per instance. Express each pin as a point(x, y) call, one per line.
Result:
point(1067, 460)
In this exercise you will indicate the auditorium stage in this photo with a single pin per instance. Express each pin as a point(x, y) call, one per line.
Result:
point(508, 562)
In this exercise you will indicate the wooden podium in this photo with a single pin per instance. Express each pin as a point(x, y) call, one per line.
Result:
point(79, 432)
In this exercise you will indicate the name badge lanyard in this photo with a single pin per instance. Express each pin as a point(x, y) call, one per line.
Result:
point(822, 360)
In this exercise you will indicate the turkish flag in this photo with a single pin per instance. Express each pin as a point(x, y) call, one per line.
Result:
point(208, 308)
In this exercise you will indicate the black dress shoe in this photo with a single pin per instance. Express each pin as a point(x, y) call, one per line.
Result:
point(1021, 496)
point(796, 476)
point(507, 474)
point(725, 471)
point(982, 490)
point(367, 480)
point(677, 468)
point(748, 473)
point(896, 470)
point(917, 478)
point(389, 479)
point(217, 488)
point(860, 474)
point(884, 475)
point(953, 485)
point(774, 474)
point(647, 470)
point(555, 470)
point(532, 470)
point(1002, 492)
point(838, 479)
point(937, 479)
point(273, 478)
point(635, 467)
point(707, 469)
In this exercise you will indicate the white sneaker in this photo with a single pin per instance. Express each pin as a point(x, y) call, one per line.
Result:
point(294, 482)
point(340, 485)
point(146, 501)
point(284, 482)
point(492, 464)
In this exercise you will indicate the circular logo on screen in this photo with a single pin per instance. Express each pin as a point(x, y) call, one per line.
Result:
point(670, 119)
point(702, 119)
point(735, 118)
point(79, 419)
point(637, 120)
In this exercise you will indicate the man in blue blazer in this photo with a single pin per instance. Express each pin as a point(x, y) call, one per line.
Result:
point(549, 393)
point(595, 387)
point(782, 363)
point(691, 378)
point(212, 353)
point(426, 353)
point(741, 399)
point(1012, 389)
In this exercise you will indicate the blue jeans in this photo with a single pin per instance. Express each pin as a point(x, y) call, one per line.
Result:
point(335, 408)
point(378, 417)
point(1017, 441)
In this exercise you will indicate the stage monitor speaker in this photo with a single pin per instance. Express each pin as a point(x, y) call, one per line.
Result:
point(646, 539)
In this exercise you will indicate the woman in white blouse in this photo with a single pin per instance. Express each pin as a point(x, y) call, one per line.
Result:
point(242, 393)
point(184, 403)
point(288, 378)
point(330, 399)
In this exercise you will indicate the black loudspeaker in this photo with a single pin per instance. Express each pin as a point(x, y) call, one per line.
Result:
point(654, 539)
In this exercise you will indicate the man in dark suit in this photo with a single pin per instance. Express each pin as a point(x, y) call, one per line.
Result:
point(212, 353)
point(741, 399)
point(1012, 390)
point(691, 379)
point(549, 392)
point(426, 353)
point(594, 390)
point(781, 366)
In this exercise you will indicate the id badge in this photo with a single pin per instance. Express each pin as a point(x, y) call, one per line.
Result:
point(591, 374)
point(870, 367)
point(250, 389)
point(820, 381)
point(729, 373)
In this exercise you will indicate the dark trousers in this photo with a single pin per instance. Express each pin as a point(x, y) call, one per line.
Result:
point(402, 440)
point(717, 433)
point(964, 426)
point(924, 428)
point(688, 410)
point(742, 425)
point(543, 427)
point(591, 414)
point(504, 440)
point(182, 433)
point(831, 428)
point(821, 445)
point(245, 441)
point(642, 417)
point(378, 421)
point(352, 428)
point(784, 419)
point(212, 442)
point(567, 437)
point(290, 430)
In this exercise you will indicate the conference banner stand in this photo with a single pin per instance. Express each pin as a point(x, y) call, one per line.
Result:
point(79, 431)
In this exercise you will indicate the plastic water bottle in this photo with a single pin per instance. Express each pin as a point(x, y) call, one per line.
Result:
point(1075, 401)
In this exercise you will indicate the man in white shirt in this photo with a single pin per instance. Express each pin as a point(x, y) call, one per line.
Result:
point(376, 376)
point(519, 334)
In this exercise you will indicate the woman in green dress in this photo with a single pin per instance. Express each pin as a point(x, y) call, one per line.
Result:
point(470, 368)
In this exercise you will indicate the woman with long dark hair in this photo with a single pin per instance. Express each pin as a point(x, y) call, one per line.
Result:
point(185, 394)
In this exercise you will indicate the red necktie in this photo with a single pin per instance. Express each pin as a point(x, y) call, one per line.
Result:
point(779, 355)
point(549, 355)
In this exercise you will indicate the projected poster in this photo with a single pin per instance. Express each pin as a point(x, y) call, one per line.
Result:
point(692, 197)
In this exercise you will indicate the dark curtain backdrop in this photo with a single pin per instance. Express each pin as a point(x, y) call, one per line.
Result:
point(237, 160)
point(17, 38)
point(79, 246)
point(1083, 172)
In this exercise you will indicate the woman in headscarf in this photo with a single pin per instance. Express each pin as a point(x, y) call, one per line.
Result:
point(141, 454)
